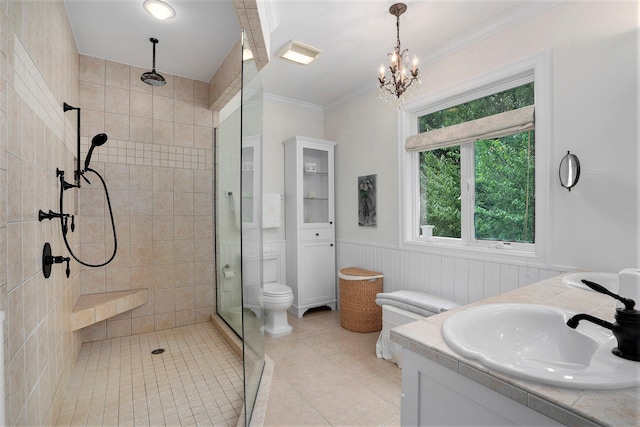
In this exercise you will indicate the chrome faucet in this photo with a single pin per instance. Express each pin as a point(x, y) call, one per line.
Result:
point(626, 328)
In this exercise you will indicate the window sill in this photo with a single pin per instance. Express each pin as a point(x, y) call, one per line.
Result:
point(437, 246)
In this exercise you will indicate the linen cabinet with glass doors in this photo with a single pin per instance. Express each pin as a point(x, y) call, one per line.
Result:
point(309, 209)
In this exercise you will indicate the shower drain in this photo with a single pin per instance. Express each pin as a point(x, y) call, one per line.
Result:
point(158, 351)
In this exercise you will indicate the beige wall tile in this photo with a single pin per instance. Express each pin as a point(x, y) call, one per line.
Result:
point(183, 227)
point(117, 75)
point(142, 277)
point(183, 88)
point(14, 190)
point(185, 298)
point(118, 328)
point(163, 276)
point(202, 116)
point(163, 179)
point(14, 259)
point(162, 132)
point(183, 203)
point(204, 250)
point(141, 104)
point(202, 204)
point(184, 251)
point(118, 279)
point(140, 178)
point(116, 100)
point(92, 69)
point(203, 137)
point(185, 275)
point(163, 252)
point(186, 317)
point(91, 228)
point(201, 92)
point(15, 318)
point(163, 108)
point(164, 300)
point(140, 203)
point(141, 253)
point(182, 135)
point(141, 325)
point(204, 296)
point(93, 123)
point(163, 226)
point(92, 96)
point(204, 273)
point(140, 129)
point(95, 332)
point(165, 320)
point(92, 281)
point(116, 126)
point(203, 228)
point(163, 203)
point(183, 112)
point(141, 228)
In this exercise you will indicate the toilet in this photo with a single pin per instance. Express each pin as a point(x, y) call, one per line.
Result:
point(275, 299)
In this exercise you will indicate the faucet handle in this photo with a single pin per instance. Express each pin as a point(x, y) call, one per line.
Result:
point(629, 304)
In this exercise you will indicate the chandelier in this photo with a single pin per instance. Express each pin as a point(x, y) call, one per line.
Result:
point(397, 81)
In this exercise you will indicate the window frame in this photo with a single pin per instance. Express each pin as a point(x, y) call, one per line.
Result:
point(535, 69)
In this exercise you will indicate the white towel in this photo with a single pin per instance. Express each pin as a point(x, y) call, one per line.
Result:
point(419, 300)
point(271, 210)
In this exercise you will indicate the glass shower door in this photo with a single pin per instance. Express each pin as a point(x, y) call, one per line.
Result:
point(251, 183)
point(239, 225)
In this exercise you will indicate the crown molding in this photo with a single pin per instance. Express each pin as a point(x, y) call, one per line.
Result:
point(277, 99)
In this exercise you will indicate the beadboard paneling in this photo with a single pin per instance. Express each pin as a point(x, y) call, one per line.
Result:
point(457, 279)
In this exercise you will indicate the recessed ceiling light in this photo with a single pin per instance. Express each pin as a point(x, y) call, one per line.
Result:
point(299, 52)
point(159, 9)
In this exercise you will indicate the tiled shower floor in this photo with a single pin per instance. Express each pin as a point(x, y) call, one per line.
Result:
point(196, 381)
point(324, 375)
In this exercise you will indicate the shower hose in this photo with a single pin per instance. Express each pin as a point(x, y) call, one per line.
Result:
point(113, 224)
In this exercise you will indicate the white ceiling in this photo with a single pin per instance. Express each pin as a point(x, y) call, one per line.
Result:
point(354, 36)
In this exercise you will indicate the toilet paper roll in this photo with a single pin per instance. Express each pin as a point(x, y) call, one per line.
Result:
point(228, 274)
point(630, 285)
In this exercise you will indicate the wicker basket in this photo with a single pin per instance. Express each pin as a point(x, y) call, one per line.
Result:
point(358, 309)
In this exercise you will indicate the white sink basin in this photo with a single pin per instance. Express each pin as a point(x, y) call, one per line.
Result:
point(533, 342)
point(608, 280)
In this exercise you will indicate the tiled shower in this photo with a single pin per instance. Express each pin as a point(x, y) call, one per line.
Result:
point(158, 164)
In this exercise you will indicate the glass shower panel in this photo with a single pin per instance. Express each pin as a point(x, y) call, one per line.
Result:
point(228, 222)
point(251, 205)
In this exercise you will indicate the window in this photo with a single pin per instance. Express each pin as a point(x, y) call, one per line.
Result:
point(475, 167)
point(501, 169)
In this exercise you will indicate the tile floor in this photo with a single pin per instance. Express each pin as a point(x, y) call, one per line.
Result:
point(196, 381)
point(324, 375)
point(327, 375)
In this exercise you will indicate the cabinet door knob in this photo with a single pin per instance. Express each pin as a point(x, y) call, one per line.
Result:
point(330, 222)
point(317, 234)
point(332, 244)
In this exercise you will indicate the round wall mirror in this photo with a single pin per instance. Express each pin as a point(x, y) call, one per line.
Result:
point(569, 170)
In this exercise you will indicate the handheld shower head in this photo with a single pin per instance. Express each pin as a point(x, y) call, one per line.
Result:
point(97, 141)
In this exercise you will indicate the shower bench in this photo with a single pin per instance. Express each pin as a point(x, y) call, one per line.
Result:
point(94, 308)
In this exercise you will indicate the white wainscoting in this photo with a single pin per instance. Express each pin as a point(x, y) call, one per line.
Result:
point(457, 279)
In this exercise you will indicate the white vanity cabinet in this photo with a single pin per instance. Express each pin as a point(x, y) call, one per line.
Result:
point(309, 210)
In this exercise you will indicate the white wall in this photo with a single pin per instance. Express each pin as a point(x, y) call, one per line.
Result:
point(593, 50)
point(283, 119)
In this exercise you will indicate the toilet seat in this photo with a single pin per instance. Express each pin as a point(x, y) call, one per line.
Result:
point(276, 290)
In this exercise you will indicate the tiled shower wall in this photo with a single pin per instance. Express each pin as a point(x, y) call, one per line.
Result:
point(158, 167)
point(38, 72)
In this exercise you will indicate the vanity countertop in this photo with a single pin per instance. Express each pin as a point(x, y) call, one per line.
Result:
point(569, 406)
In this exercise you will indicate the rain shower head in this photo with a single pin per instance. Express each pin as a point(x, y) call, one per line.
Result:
point(151, 77)
point(97, 141)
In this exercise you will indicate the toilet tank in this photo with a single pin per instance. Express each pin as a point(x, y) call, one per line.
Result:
point(271, 268)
